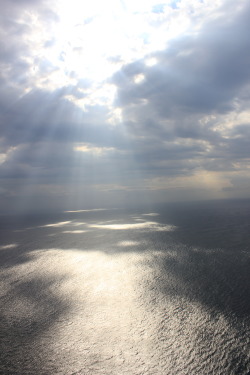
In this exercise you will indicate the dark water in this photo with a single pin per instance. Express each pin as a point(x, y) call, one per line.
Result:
point(164, 290)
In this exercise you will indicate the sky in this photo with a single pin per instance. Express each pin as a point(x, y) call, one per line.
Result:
point(117, 102)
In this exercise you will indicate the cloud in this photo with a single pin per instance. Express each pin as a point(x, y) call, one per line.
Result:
point(198, 73)
point(179, 119)
point(179, 112)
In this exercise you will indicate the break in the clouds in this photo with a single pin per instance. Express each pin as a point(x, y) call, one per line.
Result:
point(114, 102)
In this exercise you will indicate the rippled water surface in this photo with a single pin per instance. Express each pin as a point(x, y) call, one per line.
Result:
point(159, 291)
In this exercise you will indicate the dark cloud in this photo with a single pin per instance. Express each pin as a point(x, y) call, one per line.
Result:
point(42, 115)
point(197, 81)
point(200, 73)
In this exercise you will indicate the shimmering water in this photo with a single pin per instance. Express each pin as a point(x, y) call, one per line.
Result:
point(143, 291)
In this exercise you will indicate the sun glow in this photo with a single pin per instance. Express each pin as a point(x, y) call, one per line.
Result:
point(81, 44)
point(91, 40)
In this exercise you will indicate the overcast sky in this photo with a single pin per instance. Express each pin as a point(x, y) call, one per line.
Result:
point(122, 101)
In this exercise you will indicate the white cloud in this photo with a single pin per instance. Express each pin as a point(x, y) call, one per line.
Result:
point(98, 151)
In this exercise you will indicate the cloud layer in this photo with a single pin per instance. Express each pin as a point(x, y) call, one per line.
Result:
point(167, 119)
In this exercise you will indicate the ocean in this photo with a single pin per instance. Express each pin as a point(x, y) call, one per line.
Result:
point(161, 290)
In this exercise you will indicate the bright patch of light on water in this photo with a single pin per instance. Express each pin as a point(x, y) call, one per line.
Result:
point(128, 243)
point(60, 224)
point(9, 246)
point(145, 225)
point(74, 231)
point(92, 210)
point(151, 214)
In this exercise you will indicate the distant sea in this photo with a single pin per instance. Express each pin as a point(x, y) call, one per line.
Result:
point(161, 290)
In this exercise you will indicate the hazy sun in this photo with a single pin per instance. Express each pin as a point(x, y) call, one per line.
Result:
point(91, 40)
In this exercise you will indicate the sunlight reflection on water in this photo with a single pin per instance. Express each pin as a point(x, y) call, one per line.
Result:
point(124, 298)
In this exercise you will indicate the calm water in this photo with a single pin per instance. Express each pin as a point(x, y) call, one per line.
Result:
point(164, 290)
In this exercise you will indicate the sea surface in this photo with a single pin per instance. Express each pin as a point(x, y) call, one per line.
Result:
point(149, 290)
